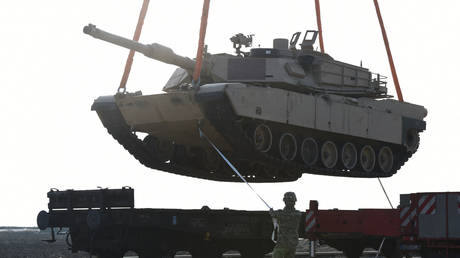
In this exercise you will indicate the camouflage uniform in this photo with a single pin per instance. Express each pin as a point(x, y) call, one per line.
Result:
point(288, 224)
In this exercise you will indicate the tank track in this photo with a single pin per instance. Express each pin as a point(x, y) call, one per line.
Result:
point(116, 126)
point(234, 130)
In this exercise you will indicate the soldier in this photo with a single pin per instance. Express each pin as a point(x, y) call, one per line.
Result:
point(288, 220)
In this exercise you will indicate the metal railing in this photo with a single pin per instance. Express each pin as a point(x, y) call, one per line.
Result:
point(378, 80)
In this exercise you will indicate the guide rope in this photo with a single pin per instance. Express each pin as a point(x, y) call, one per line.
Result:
point(275, 221)
point(391, 205)
point(202, 135)
point(380, 248)
point(385, 192)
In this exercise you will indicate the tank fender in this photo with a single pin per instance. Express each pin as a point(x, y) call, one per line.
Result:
point(109, 113)
point(213, 91)
point(106, 103)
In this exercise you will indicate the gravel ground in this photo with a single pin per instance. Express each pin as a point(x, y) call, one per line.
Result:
point(22, 243)
point(27, 242)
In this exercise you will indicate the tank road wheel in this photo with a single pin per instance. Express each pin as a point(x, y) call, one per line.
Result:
point(412, 140)
point(329, 154)
point(385, 159)
point(309, 151)
point(288, 146)
point(262, 138)
point(349, 155)
point(367, 158)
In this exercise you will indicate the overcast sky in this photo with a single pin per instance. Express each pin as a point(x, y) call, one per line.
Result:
point(50, 73)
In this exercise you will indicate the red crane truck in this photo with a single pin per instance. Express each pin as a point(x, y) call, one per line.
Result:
point(424, 224)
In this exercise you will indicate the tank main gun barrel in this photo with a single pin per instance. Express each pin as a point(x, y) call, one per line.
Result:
point(154, 51)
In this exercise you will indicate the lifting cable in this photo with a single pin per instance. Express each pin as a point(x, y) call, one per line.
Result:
point(387, 45)
point(196, 84)
point(137, 34)
point(320, 27)
point(199, 52)
point(196, 78)
point(393, 72)
point(390, 56)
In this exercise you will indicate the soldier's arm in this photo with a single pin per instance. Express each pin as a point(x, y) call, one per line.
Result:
point(274, 214)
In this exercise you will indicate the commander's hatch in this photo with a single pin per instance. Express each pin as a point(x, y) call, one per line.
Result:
point(309, 39)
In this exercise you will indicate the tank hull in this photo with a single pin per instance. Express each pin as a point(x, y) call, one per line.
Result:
point(232, 113)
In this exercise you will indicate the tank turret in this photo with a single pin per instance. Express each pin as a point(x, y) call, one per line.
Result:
point(283, 66)
point(275, 112)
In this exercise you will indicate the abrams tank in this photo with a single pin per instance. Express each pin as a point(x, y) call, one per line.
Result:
point(275, 113)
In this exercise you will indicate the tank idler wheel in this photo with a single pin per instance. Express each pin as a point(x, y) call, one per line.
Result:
point(385, 159)
point(163, 149)
point(263, 138)
point(367, 158)
point(412, 140)
point(287, 146)
point(309, 151)
point(329, 154)
point(349, 155)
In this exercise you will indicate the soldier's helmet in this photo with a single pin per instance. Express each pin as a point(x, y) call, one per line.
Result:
point(289, 197)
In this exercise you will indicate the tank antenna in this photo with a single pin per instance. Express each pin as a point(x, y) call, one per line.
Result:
point(320, 27)
point(199, 52)
point(390, 57)
point(137, 34)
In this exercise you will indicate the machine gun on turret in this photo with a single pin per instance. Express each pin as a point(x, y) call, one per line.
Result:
point(240, 40)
